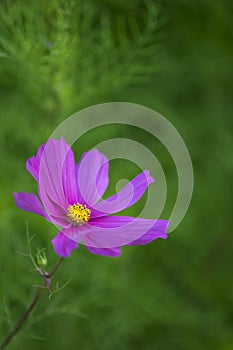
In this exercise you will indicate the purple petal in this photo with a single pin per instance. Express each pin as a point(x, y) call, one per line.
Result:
point(92, 177)
point(102, 180)
point(63, 246)
point(69, 179)
point(33, 163)
point(68, 171)
point(30, 203)
point(60, 221)
point(125, 198)
point(112, 252)
point(157, 231)
point(116, 231)
point(111, 221)
point(56, 177)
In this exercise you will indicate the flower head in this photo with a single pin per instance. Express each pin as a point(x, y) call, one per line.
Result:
point(70, 197)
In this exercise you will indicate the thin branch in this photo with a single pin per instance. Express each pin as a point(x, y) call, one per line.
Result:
point(23, 319)
point(31, 307)
point(55, 268)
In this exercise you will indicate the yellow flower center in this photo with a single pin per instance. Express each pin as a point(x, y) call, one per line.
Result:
point(78, 214)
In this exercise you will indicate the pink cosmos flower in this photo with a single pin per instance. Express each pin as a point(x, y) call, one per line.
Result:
point(70, 197)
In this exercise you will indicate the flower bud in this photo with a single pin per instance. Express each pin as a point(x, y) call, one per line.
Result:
point(41, 259)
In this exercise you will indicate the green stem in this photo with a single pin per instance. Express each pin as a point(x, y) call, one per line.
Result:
point(30, 308)
point(55, 267)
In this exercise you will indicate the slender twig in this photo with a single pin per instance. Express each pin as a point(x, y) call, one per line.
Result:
point(23, 319)
point(55, 268)
point(31, 307)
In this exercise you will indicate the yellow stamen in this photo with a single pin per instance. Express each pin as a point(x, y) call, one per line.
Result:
point(78, 214)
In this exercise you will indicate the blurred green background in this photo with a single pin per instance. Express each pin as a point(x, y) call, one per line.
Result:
point(57, 57)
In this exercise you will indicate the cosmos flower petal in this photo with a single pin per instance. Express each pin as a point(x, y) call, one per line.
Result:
point(63, 246)
point(33, 163)
point(157, 231)
point(102, 180)
point(112, 252)
point(125, 198)
point(68, 178)
point(60, 221)
point(92, 177)
point(29, 202)
point(68, 170)
point(116, 231)
point(54, 163)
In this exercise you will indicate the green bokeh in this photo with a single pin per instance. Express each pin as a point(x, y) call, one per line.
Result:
point(176, 57)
